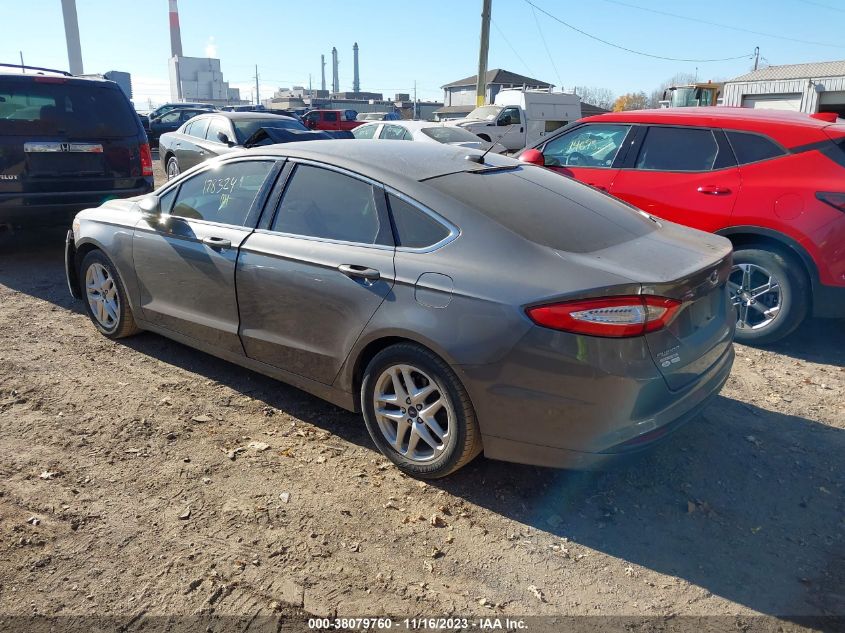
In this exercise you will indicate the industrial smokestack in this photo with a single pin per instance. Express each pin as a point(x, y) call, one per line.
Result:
point(356, 82)
point(74, 48)
point(335, 80)
point(175, 33)
point(323, 71)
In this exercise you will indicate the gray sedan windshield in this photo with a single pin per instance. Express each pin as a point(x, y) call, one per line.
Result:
point(547, 208)
point(245, 129)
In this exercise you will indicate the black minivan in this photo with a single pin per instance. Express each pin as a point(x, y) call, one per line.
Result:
point(66, 143)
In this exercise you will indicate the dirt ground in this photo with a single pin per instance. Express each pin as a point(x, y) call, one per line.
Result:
point(124, 491)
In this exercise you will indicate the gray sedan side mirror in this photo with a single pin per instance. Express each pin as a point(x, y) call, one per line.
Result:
point(150, 206)
point(224, 138)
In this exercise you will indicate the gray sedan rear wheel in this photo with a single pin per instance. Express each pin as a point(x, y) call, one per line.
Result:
point(172, 168)
point(105, 297)
point(418, 413)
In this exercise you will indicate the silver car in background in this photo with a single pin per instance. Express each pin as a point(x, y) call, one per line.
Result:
point(425, 132)
point(462, 304)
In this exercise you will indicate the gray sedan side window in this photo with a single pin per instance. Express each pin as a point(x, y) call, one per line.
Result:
point(223, 194)
point(414, 227)
point(218, 124)
point(326, 204)
point(198, 128)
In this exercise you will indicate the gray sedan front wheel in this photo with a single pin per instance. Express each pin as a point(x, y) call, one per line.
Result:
point(105, 297)
point(418, 412)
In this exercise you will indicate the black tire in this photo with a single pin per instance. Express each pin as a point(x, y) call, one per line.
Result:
point(484, 137)
point(794, 294)
point(464, 442)
point(124, 325)
point(172, 161)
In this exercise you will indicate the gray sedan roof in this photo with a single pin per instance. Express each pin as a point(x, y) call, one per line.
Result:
point(383, 161)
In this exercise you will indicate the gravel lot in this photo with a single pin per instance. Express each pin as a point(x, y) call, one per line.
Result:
point(124, 490)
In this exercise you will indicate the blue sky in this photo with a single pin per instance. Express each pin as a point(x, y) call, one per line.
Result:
point(431, 42)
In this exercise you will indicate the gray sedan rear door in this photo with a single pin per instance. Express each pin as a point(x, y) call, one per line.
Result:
point(311, 279)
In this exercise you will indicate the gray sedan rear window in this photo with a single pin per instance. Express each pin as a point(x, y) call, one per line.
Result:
point(547, 208)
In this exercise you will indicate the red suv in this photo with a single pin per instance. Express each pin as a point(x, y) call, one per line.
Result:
point(772, 182)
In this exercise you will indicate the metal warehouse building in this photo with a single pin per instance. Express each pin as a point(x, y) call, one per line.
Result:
point(810, 88)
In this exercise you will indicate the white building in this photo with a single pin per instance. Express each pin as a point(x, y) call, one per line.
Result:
point(810, 88)
point(200, 79)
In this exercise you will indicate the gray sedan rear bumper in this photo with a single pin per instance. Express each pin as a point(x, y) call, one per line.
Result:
point(569, 424)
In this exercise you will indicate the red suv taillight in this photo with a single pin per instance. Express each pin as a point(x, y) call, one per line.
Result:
point(836, 200)
point(146, 160)
point(616, 317)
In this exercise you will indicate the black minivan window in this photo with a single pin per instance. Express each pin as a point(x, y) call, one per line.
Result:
point(55, 107)
point(414, 227)
point(222, 194)
point(678, 149)
point(749, 148)
point(325, 204)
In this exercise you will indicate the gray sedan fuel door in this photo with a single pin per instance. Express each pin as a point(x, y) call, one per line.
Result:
point(309, 284)
point(185, 259)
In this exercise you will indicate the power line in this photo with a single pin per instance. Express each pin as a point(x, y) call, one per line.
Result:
point(631, 50)
point(518, 56)
point(725, 26)
point(823, 6)
point(548, 52)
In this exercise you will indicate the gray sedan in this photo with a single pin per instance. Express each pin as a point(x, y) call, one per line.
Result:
point(461, 304)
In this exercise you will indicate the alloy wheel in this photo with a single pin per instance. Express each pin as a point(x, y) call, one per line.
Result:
point(172, 169)
point(414, 415)
point(102, 295)
point(756, 295)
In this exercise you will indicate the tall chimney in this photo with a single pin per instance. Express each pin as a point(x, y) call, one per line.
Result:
point(74, 48)
point(323, 71)
point(356, 82)
point(175, 33)
point(335, 80)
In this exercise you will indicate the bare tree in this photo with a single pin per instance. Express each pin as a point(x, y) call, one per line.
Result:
point(601, 97)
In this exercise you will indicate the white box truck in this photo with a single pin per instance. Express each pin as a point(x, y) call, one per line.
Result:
point(520, 118)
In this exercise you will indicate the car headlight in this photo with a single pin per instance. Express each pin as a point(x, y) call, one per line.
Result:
point(75, 227)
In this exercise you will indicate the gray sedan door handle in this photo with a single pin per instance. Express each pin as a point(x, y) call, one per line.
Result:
point(351, 270)
point(217, 242)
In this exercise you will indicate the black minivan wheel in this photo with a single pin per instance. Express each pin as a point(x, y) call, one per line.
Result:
point(769, 293)
point(418, 412)
point(105, 296)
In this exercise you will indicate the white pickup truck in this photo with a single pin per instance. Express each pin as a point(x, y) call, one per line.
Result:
point(520, 118)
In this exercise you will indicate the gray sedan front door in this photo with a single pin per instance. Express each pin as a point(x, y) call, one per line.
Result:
point(309, 284)
point(185, 260)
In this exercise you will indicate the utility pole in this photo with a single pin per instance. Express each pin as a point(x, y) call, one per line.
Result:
point(416, 114)
point(23, 69)
point(481, 84)
point(756, 56)
point(256, 85)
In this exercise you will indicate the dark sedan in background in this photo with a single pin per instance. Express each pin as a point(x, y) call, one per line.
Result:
point(214, 134)
point(171, 121)
point(371, 274)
